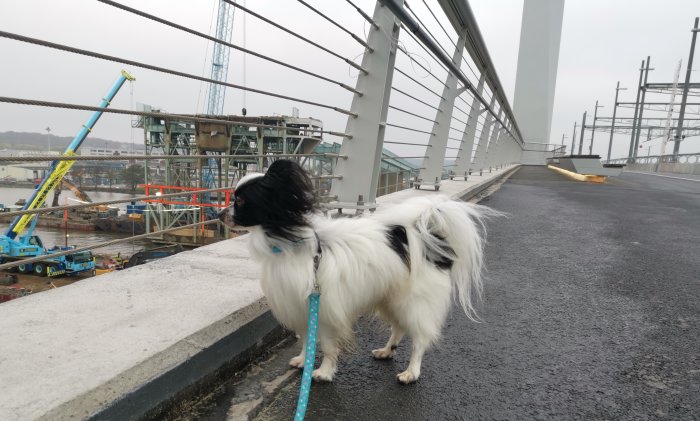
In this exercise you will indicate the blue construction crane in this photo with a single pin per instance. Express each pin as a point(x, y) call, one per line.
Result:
point(220, 59)
point(16, 245)
point(219, 72)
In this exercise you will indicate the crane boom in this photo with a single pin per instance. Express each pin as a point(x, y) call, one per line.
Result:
point(220, 59)
point(219, 72)
point(59, 168)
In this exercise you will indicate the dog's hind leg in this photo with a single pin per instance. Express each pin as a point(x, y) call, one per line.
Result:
point(420, 345)
point(390, 348)
point(329, 365)
point(298, 361)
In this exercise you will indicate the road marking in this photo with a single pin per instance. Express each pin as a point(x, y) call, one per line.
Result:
point(665, 176)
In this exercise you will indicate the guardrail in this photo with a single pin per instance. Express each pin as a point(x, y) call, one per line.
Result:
point(425, 102)
point(688, 163)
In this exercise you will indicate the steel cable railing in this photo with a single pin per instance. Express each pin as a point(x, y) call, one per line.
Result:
point(228, 44)
point(415, 16)
point(397, 8)
point(355, 37)
point(410, 113)
point(409, 128)
point(104, 244)
point(454, 44)
point(363, 14)
point(420, 84)
point(414, 98)
point(409, 143)
point(405, 51)
point(165, 116)
point(164, 70)
point(114, 202)
point(488, 118)
point(43, 158)
point(308, 41)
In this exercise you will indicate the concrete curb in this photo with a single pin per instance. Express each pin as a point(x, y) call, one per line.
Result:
point(150, 388)
point(476, 189)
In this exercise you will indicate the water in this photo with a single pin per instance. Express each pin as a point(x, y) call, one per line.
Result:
point(52, 236)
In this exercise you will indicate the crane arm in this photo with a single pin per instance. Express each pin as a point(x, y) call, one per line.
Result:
point(79, 194)
point(59, 168)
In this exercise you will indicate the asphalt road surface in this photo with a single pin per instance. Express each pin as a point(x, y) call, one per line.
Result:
point(591, 311)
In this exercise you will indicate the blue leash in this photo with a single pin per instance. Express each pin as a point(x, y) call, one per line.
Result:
point(311, 331)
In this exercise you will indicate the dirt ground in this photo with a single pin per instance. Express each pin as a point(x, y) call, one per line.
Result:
point(39, 283)
point(34, 284)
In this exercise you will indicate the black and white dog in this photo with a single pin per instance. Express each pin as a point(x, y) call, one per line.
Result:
point(404, 263)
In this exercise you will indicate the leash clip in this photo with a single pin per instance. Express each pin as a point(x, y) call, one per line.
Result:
point(317, 262)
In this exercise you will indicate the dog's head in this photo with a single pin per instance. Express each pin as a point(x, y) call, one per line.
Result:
point(279, 201)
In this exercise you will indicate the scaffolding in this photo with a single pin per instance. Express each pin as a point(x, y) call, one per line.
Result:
point(254, 143)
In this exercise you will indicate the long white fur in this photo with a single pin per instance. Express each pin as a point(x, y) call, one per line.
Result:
point(360, 273)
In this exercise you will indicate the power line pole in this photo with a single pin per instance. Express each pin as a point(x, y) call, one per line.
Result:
point(563, 148)
point(583, 130)
point(595, 115)
point(641, 109)
point(669, 117)
point(679, 128)
point(612, 130)
point(636, 110)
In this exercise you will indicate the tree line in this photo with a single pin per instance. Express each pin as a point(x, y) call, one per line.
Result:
point(131, 176)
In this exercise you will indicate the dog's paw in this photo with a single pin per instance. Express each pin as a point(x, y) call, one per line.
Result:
point(406, 377)
point(383, 353)
point(322, 376)
point(297, 362)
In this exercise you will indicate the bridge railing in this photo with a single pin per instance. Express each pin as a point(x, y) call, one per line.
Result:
point(402, 95)
point(688, 163)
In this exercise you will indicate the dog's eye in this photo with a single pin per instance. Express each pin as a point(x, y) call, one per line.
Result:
point(240, 201)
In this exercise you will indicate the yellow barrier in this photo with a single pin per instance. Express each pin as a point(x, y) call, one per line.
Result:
point(579, 177)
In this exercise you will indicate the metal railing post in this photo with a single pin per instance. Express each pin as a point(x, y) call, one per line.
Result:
point(483, 140)
point(360, 171)
point(494, 149)
point(464, 155)
point(431, 169)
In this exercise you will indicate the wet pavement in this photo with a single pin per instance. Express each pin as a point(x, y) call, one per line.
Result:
point(591, 311)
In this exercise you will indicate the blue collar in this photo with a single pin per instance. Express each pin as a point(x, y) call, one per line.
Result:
point(317, 257)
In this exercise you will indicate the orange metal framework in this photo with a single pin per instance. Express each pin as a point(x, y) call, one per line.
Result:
point(165, 201)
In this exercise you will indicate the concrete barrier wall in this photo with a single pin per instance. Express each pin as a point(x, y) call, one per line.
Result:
point(673, 167)
point(535, 154)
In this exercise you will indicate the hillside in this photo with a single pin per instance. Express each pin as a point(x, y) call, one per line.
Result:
point(39, 141)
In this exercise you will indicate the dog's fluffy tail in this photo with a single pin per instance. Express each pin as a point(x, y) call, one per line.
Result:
point(453, 234)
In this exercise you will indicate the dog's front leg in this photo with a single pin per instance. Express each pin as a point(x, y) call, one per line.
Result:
point(329, 365)
point(298, 361)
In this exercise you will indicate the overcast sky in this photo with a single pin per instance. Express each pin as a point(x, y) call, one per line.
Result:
point(602, 42)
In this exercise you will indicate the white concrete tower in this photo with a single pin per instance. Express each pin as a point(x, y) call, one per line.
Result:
point(535, 81)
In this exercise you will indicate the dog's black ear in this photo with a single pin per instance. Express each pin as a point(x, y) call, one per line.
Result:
point(294, 185)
